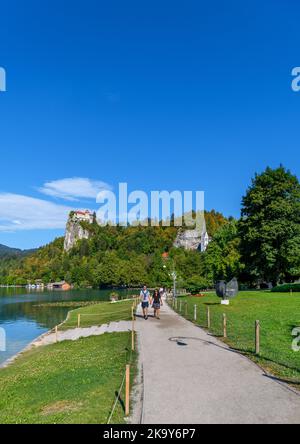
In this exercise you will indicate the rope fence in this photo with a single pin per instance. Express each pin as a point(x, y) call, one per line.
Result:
point(256, 337)
point(128, 374)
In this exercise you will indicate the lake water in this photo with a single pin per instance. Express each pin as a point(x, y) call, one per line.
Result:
point(23, 320)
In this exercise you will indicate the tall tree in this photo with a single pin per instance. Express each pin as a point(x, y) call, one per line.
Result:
point(270, 226)
point(222, 257)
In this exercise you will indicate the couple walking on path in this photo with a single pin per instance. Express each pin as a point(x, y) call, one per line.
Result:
point(155, 301)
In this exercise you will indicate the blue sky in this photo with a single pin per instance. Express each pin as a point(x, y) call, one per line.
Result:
point(160, 94)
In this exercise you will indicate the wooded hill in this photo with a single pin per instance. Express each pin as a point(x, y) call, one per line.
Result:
point(113, 256)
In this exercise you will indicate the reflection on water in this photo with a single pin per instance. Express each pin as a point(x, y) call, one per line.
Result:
point(24, 321)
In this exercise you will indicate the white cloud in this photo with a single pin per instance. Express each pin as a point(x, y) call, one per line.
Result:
point(74, 189)
point(19, 212)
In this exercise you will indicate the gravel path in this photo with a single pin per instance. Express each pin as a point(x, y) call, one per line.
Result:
point(71, 335)
point(76, 333)
point(191, 377)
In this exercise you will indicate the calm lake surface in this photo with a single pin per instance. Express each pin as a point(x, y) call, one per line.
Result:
point(23, 320)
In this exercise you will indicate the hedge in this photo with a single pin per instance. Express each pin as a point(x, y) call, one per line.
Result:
point(285, 288)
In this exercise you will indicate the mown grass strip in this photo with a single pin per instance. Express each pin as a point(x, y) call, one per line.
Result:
point(101, 313)
point(68, 382)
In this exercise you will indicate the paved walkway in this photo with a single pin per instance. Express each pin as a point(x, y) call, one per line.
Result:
point(197, 379)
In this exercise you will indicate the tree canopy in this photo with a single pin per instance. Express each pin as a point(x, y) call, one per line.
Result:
point(269, 228)
point(263, 246)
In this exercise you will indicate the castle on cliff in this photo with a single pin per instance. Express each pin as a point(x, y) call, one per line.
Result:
point(195, 239)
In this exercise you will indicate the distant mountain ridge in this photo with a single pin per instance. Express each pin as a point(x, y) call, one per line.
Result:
point(8, 251)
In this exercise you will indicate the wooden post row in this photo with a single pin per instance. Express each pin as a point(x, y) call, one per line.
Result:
point(127, 390)
point(208, 317)
point(257, 337)
point(224, 326)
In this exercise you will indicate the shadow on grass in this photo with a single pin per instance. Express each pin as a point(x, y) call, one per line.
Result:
point(120, 400)
point(280, 364)
point(285, 381)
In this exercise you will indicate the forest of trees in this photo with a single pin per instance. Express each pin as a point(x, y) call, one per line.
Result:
point(264, 245)
point(113, 256)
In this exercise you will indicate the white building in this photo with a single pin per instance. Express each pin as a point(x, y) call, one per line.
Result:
point(83, 215)
point(193, 239)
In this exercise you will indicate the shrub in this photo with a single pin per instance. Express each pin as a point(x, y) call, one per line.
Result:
point(286, 288)
point(195, 284)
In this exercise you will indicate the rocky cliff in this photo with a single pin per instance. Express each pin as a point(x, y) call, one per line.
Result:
point(188, 239)
point(74, 231)
point(196, 239)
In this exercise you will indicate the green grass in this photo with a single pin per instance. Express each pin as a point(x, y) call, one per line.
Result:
point(69, 382)
point(98, 314)
point(278, 313)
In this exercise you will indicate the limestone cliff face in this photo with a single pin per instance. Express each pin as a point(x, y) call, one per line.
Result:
point(189, 239)
point(75, 231)
point(196, 239)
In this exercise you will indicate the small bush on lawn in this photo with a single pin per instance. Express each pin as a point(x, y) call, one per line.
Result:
point(196, 284)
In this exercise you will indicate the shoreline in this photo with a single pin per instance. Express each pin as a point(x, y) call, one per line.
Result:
point(31, 344)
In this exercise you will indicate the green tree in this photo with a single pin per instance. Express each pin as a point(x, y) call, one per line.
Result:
point(270, 226)
point(222, 258)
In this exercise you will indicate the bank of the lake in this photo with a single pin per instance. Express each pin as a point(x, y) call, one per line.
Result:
point(70, 381)
point(25, 315)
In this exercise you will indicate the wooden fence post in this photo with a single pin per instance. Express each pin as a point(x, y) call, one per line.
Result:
point(186, 308)
point(127, 391)
point(180, 306)
point(195, 312)
point(208, 317)
point(224, 326)
point(78, 321)
point(56, 334)
point(257, 337)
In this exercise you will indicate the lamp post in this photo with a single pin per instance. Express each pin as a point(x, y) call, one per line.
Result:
point(174, 276)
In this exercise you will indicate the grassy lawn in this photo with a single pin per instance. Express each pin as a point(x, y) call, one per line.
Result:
point(69, 382)
point(278, 313)
point(99, 314)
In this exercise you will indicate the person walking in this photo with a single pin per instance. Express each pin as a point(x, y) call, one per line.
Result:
point(157, 303)
point(145, 300)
